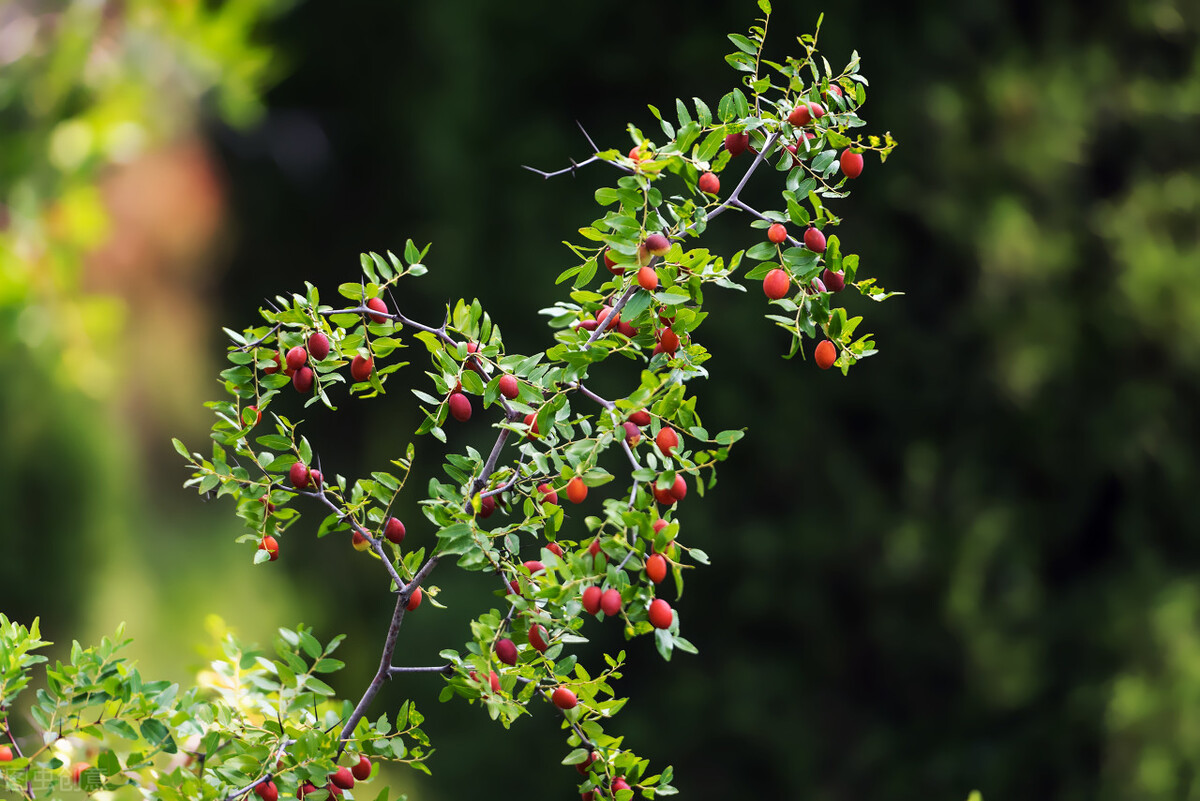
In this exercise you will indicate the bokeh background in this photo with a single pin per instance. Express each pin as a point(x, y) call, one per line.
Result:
point(971, 564)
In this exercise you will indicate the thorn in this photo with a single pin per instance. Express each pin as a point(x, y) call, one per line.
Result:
point(588, 138)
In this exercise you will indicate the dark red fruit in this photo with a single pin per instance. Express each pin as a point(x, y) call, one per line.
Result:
point(814, 240)
point(641, 417)
point(610, 265)
point(378, 305)
point(660, 614)
point(538, 638)
point(318, 345)
point(591, 600)
point(805, 113)
point(460, 407)
point(360, 368)
point(709, 183)
point(508, 386)
point(825, 354)
point(619, 783)
point(668, 340)
point(583, 766)
point(678, 490)
point(415, 599)
point(487, 505)
point(834, 282)
point(563, 698)
point(267, 791)
point(302, 380)
point(663, 496)
point(633, 434)
point(736, 143)
point(362, 771)
point(360, 542)
point(275, 369)
point(554, 548)
point(506, 652)
point(393, 530)
point(299, 475)
point(667, 440)
point(776, 284)
point(315, 477)
point(296, 357)
point(548, 495)
point(343, 778)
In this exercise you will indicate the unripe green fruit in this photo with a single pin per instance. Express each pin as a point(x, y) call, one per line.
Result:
point(302, 380)
point(393, 530)
point(852, 164)
point(299, 475)
point(777, 233)
point(814, 240)
point(415, 599)
point(460, 407)
point(360, 368)
point(825, 354)
point(508, 386)
point(736, 143)
point(563, 698)
point(591, 600)
point(506, 652)
point(709, 183)
point(647, 279)
point(660, 614)
point(610, 602)
point(776, 284)
point(318, 345)
point(378, 305)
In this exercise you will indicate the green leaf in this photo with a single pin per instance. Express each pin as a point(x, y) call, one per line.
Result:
point(157, 734)
point(743, 44)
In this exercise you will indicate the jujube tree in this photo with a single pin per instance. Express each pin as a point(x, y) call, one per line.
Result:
point(628, 467)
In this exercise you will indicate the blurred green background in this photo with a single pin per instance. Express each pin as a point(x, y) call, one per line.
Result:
point(971, 563)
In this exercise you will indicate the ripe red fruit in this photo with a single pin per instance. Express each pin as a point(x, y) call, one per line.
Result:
point(777, 233)
point(298, 474)
point(610, 602)
point(678, 490)
point(460, 407)
point(270, 545)
point(633, 434)
point(805, 113)
point(267, 791)
point(619, 783)
point(591, 600)
point(852, 163)
point(537, 638)
point(709, 183)
point(594, 547)
point(660, 614)
point(548, 495)
point(378, 305)
point(583, 766)
point(669, 340)
point(415, 599)
point(302, 380)
point(625, 329)
point(77, 770)
point(563, 698)
point(657, 244)
point(814, 240)
point(506, 652)
point(360, 368)
point(667, 440)
point(508, 386)
point(656, 568)
point(393, 530)
point(360, 542)
point(576, 490)
point(6, 753)
point(736, 143)
point(825, 354)
point(275, 369)
point(318, 345)
point(554, 548)
point(362, 771)
point(487, 505)
point(533, 566)
point(659, 525)
point(641, 417)
point(588, 325)
point(612, 266)
point(647, 279)
point(776, 284)
point(494, 682)
point(663, 496)
point(587, 795)
point(305, 789)
point(343, 778)
point(834, 282)
point(296, 357)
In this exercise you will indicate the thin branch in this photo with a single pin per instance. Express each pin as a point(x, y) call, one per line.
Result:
point(447, 669)
point(385, 665)
point(564, 170)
